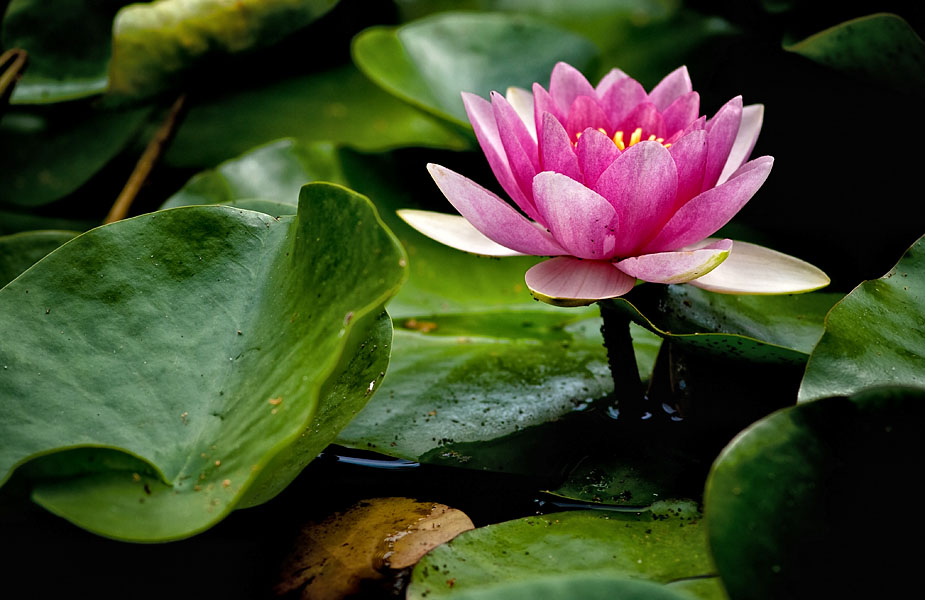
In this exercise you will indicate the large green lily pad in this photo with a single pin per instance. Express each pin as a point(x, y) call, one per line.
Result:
point(20, 251)
point(586, 586)
point(665, 544)
point(195, 348)
point(777, 329)
point(795, 504)
point(881, 48)
point(48, 152)
point(430, 61)
point(338, 106)
point(69, 44)
point(875, 335)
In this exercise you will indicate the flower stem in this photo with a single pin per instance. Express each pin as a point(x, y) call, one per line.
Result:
point(628, 391)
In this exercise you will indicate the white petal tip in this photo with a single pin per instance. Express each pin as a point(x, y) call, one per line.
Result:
point(756, 270)
point(454, 231)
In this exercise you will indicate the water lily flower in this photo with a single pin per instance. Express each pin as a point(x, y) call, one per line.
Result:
point(615, 184)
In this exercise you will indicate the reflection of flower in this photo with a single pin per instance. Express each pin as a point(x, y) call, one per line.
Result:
point(618, 184)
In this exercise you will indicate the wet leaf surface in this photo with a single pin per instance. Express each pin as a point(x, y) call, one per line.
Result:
point(20, 251)
point(248, 335)
point(875, 335)
point(336, 557)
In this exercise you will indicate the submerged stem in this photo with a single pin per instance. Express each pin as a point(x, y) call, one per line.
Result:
point(628, 390)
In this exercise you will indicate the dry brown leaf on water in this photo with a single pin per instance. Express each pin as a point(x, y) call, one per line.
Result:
point(373, 538)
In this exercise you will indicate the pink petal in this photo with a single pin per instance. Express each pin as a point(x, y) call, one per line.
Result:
point(712, 209)
point(522, 101)
point(482, 117)
point(721, 134)
point(641, 184)
point(676, 267)
point(579, 219)
point(520, 148)
point(673, 86)
point(558, 154)
point(608, 80)
point(567, 83)
point(542, 104)
point(585, 112)
point(681, 113)
point(690, 155)
point(752, 269)
point(596, 152)
point(752, 117)
point(454, 231)
point(645, 116)
point(567, 281)
point(493, 216)
point(620, 100)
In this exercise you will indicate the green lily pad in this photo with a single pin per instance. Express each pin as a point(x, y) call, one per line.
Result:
point(65, 61)
point(339, 106)
point(881, 48)
point(875, 335)
point(275, 172)
point(200, 345)
point(587, 586)
point(794, 505)
point(664, 544)
point(430, 61)
point(775, 329)
point(154, 42)
point(20, 251)
point(47, 153)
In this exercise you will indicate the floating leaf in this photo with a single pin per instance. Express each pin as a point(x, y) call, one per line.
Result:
point(779, 329)
point(588, 586)
point(791, 504)
point(665, 544)
point(154, 42)
point(65, 61)
point(332, 558)
point(429, 62)
point(204, 344)
point(47, 153)
point(881, 48)
point(875, 335)
point(339, 106)
point(20, 251)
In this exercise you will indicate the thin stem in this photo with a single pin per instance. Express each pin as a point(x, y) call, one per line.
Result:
point(12, 64)
point(628, 390)
point(147, 161)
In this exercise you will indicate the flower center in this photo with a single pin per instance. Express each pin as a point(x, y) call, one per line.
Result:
point(623, 144)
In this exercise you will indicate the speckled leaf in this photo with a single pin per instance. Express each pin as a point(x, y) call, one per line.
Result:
point(875, 335)
point(48, 152)
point(20, 251)
point(69, 44)
point(204, 344)
point(795, 504)
point(339, 106)
point(779, 329)
point(880, 48)
point(154, 42)
point(430, 61)
point(663, 545)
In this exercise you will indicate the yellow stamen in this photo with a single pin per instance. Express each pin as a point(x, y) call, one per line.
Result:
point(651, 138)
point(618, 140)
point(637, 135)
point(602, 130)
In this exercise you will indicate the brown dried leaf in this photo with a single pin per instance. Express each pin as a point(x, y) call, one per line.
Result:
point(372, 538)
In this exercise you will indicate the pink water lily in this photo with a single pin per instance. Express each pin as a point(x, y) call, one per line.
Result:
point(616, 185)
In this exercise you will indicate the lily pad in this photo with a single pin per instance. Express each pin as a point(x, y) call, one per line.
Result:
point(65, 61)
point(665, 544)
point(213, 351)
point(880, 48)
point(49, 152)
point(154, 42)
point(793, 504)
point(875, 335)
point(586, 586)
point(430, 61)
point(20, 251)
point(338, 106)
point(774, 329)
